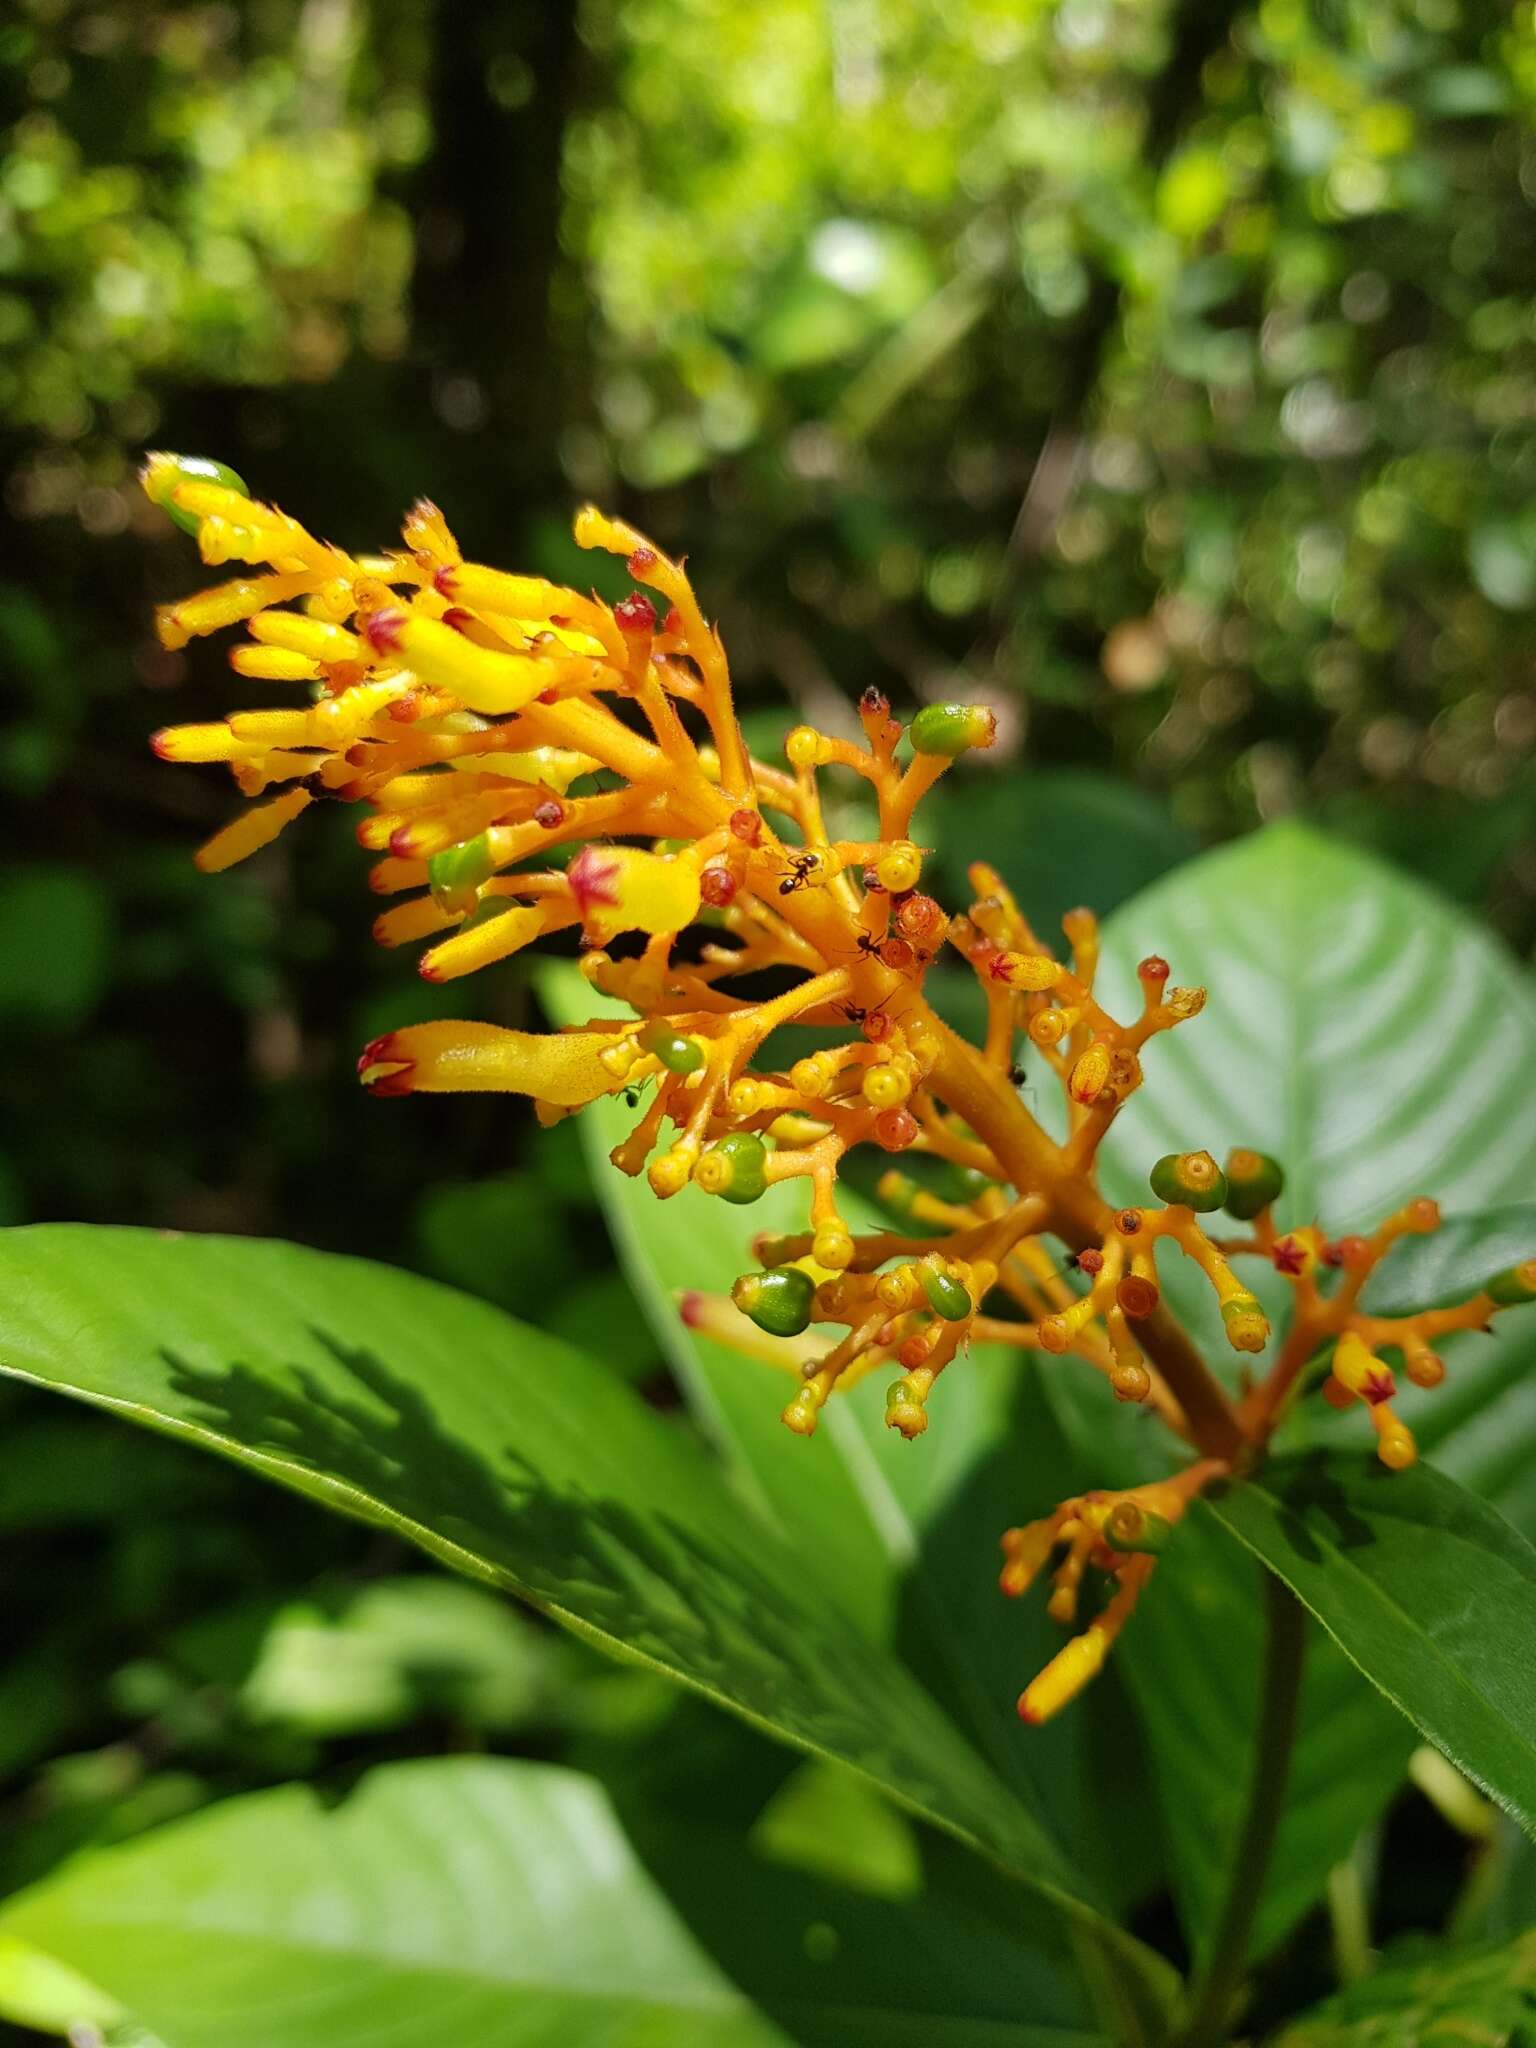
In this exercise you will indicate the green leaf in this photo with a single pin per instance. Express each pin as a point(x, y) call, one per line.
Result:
point(1377, 1042)
point(1203, 1615)
point(480, 1899)
point(1425, 1587)
point(1366, 1032)
point(914, 1527)
point(1452, 1262)
point(508, 1457)
point(1446, 2001)
point(1057, 839)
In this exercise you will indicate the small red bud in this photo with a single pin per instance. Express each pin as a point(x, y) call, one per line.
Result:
point(1090, 1261)
point(1154, 968)
point(717, 885)
point(550, 696)
point(635, 614)
point(642, 559)
point(746, 826)
point(549, 814)
point(895, 1129)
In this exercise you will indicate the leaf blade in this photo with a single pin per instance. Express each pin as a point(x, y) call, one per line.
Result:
point(491, 1899)
point(510, 1458)
point(1429, 1591)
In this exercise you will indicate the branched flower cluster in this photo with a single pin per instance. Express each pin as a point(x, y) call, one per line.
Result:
point(532, 759)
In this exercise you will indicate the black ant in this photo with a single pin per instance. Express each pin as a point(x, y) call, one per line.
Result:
point(856, 1015)
point(801, 867)
point(870, 946)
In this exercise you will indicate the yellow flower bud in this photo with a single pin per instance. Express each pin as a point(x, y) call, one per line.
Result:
point(625, 889)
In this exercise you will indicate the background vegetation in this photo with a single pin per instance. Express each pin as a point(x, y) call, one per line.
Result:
point(1165, 374)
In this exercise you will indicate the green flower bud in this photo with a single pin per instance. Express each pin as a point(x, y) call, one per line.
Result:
point(1129, 1526)
point(946, 1297)
point(454, 875)
point(162, 473)
point(1192, 1178)
point(734, 1169)
point(951, 728)
point(679, 1055)
point(1254, 1182)
point(779, 1302)
point(1516, 1284)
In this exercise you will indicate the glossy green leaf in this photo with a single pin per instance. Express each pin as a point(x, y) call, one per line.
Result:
point(477, 1899)
point(1376, 1041)
point(913, 1527)
point(1424, 1586)
point(507, 1456)
point(1367, 1033)
point(1452, 1262)
point(1486, 2000)
point(1193, 1659)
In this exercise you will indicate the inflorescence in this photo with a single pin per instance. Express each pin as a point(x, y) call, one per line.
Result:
point(534, 760)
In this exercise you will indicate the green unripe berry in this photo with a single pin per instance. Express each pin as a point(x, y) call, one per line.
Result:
point(951, 729)
point(946, 1297)
point(679, 1055)
point(162, 473)
point(1191, 1178)
point(1254, 1182)
point(454, 875)
point(1129, 1526)
point(779, 1302)
point(735, 1169)
point(1516, 1284)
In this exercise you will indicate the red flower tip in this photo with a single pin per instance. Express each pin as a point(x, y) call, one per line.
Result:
point(157, 742)
point(428, 969)
point(375, 1052)
point(640, 561)
point(457, 617)
point(717, 885)
point(549, 696)
point(635, 614)
point(591, 876)
point(446, 579)
point(1289, 1256)
point(382, 630)
point(381, 1069)
point(549, 814)
point(746, 826)
point(1026, 1713)
point(690, 1307)
point(1154, 968)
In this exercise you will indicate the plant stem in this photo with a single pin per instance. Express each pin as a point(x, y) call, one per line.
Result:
point(1279, 1700)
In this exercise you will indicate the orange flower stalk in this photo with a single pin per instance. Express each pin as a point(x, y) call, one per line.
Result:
point(531, 759)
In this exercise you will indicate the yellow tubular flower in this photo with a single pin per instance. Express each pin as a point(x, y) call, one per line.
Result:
point(469, 714)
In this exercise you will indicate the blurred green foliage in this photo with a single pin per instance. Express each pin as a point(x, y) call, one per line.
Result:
point(1165, 375)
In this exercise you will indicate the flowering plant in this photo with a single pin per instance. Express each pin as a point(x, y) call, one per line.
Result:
point(473, 712)
point(532, 761)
